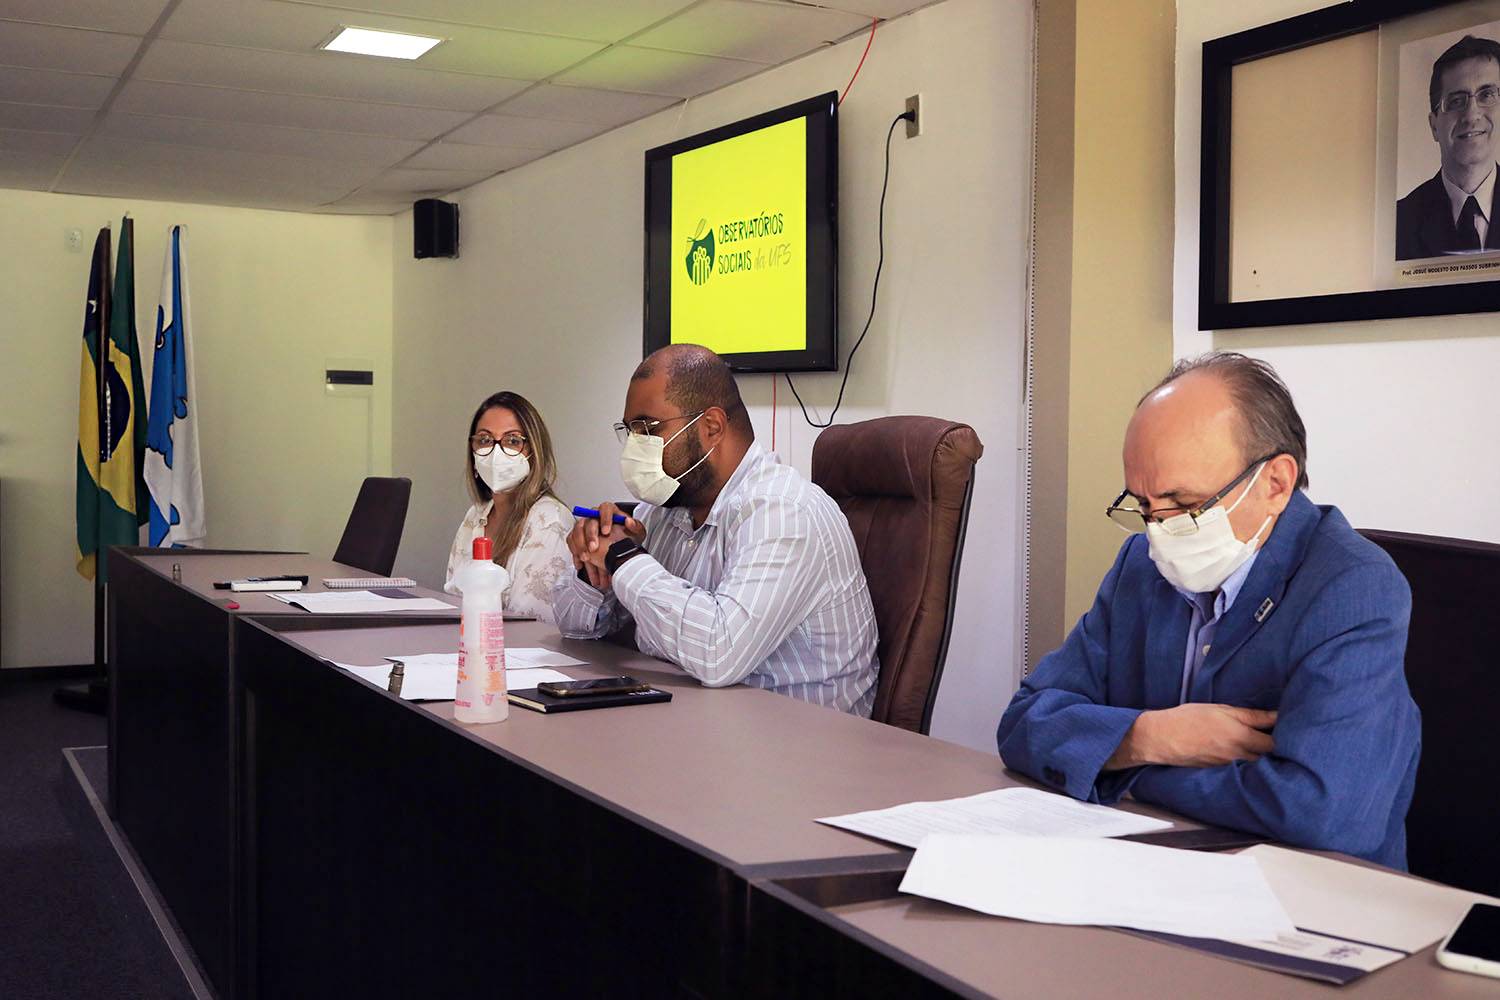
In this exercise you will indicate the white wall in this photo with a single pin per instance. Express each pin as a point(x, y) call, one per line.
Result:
point(1401, 414)
point(275, 295)
point(546, 300)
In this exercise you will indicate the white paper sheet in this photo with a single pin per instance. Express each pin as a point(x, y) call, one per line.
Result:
point(516, 658)
point(1007, 810)
point(1363, 904)
point(435, 677)
point(359, 602)
point(524, 657)
point(1093, 880)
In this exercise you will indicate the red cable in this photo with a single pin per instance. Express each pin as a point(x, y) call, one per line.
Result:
point(873, 22)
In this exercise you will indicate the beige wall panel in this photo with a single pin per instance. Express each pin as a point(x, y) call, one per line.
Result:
point(1302, 171)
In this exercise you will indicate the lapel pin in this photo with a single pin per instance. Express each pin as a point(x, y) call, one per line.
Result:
point(1264, 610)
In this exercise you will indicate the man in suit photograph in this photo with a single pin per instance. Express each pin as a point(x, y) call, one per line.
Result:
point(1450, 212)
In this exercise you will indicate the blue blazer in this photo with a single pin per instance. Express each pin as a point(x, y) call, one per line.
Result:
point(1327, 656)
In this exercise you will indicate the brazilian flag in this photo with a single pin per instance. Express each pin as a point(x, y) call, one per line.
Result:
point(112, 497)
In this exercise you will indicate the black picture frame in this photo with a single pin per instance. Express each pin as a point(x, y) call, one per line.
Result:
point(822, 351)
point(1215, 310)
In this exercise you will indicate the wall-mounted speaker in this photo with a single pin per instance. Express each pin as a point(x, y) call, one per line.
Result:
point(434, 228)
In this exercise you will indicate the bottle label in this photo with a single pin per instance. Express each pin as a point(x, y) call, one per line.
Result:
point(492, 641)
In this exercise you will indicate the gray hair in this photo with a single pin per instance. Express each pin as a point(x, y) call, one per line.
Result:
point(1269, 423)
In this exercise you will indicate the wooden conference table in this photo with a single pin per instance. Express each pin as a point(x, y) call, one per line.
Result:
point(378, 848)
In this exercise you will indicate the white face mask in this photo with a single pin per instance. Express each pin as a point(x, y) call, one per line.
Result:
point(502, 472)
point(641, 467)
point(1200, 561)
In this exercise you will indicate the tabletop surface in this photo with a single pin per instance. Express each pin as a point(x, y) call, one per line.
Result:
point(738, 771)
point(1005, 957)
point(743, 773)
point(201, 571)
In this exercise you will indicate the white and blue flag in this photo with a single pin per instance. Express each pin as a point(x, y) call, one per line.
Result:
point(173, 475)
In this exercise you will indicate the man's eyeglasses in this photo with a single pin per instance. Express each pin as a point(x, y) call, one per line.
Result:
point(648, 425)
point(1458, 100)
point(483, 443)
point(1128, 515)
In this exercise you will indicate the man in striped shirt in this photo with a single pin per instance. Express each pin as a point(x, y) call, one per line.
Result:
point(734, 567)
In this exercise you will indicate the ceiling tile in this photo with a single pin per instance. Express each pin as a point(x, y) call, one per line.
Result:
point(527, 133)
point(377, 150)
point(322, 74)
point(602, 20)
point(299, 27)
point(406, 181)
point(762, 32)
point(507, 53)
point(216, 104)
point(106, 154)
point(883, 9)
point(582, 104)
point(145, 169)
point(379, 204)
point(28, 170)
point(134, 17)
point(46, 86)
point(207, 189)
point(39, 118)
point(654, 71)
point(459, 156)
point(48, 143)
point(42, 47)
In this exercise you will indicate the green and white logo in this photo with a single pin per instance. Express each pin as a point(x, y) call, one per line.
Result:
point(700, 253)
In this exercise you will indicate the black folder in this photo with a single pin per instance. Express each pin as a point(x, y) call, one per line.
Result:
point(536, 701)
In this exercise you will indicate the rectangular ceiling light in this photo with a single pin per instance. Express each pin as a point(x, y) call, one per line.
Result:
point(371, 42)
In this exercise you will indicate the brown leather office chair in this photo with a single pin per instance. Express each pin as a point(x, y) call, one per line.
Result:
point(905, 484)
point(373, 533)
point(1452, 827)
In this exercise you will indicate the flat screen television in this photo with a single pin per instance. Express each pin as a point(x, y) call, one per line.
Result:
point(742, 240)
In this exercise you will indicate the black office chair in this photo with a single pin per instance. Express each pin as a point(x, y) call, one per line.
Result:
point(1452, 828)
point(373, 533)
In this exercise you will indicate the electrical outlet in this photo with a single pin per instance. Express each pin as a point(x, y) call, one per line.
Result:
point(914, 124)
point(73, 239)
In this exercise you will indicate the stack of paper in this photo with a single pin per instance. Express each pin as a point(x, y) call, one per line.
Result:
point(1007, 810)
point(434, 676)
point(1093, 880)
point(361, 602)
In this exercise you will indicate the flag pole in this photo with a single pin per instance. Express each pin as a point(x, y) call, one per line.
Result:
point(94, 696)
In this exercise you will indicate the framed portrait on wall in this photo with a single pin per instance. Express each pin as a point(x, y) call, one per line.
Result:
point(1447, 147)
point(1349, 166)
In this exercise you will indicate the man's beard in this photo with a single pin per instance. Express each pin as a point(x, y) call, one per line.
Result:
point(695, 484)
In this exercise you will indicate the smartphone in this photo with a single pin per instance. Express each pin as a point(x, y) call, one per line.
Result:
point(1474, 945)
point(1209, 838)
point(597, 685)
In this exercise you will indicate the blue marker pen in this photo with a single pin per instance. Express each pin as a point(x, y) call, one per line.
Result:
point(591, 512)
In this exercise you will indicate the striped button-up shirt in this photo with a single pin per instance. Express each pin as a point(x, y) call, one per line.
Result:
point(768, 591)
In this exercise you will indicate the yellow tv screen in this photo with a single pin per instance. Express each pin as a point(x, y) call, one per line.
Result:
point(741, 240)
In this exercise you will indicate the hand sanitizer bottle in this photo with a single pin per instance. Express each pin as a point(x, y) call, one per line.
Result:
point(481, 639)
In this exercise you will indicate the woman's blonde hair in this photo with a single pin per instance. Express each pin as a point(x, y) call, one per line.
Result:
point(538, 482)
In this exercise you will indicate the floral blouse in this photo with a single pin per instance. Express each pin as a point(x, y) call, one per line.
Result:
point(540, 560)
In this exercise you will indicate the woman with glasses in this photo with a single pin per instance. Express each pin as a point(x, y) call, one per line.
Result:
point(510, 471)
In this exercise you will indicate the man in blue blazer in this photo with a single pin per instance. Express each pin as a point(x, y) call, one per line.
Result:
point(1242, 662)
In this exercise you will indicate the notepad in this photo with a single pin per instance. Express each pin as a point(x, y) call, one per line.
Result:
point(367, 582)
point(362, 602)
